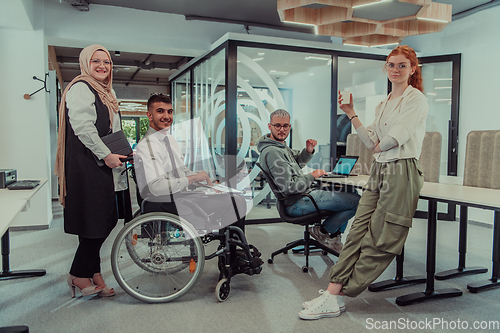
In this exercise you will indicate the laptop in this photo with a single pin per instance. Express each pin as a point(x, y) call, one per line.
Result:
point(343, 168)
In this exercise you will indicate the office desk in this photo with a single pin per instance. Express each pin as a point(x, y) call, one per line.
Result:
point(457, 194)
point(12, 202)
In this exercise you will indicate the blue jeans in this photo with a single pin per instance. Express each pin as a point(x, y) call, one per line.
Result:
point(343, 204)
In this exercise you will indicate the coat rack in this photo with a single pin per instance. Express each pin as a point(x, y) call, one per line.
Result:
point(28, 96)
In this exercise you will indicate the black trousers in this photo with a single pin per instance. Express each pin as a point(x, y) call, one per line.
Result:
point(87, 260)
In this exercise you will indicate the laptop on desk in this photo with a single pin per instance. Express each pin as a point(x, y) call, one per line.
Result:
point(343, 167)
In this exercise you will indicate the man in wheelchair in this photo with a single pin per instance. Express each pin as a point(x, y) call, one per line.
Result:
point(167, 185)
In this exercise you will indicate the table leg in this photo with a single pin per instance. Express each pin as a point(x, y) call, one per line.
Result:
point(493, 282)
point(462, 250)
point(399, 280)
point(6, 272)
point(429, 292)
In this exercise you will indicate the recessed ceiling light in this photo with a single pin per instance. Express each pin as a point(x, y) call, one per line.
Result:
point(355, 45)
point(277, 72)
point(433, 20)
point(352, 61)
point(316, 58)
point(388, 44)
point(307, 24)
point(258, 59)
point(261, 53)
point(369, 4)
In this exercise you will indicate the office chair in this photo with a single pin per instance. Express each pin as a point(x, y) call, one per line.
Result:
point(305, 220)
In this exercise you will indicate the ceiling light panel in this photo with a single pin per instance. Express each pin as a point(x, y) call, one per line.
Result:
point(367, 22)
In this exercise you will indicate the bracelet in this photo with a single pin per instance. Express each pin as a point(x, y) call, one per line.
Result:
point(350, 119)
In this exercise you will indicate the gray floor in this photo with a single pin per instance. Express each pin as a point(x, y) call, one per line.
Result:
point(268, 302)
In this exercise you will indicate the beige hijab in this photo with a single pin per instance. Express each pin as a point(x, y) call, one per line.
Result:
point(104, 89)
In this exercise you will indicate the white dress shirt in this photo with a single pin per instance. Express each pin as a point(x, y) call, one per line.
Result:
point(157, 166)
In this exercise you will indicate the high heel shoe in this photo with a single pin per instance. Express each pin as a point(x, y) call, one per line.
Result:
point(87, 291)
point(106, 291)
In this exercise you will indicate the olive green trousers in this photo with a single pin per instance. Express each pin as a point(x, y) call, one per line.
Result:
point(381, 224)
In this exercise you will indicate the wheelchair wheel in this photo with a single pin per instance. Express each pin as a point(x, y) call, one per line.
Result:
point(157, 257)
point(222, 290)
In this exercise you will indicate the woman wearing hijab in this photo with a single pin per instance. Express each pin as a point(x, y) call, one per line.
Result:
point(85, 166)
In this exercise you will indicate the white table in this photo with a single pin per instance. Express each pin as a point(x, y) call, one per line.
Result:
point(465, 196)
point(8, 211)
point(12, 202)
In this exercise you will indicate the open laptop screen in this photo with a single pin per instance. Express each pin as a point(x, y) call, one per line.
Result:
point(344, 165)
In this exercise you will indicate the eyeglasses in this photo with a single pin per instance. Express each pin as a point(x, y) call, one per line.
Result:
point(400, 67)
point(99, 62)
point(286, 127)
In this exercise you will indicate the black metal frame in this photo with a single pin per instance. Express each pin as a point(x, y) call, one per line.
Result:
point(456, 60)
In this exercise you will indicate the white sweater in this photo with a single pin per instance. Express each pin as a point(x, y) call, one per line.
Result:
point(403, 119)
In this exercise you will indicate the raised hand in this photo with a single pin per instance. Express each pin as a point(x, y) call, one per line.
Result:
point(347, 108)
point(310, 144)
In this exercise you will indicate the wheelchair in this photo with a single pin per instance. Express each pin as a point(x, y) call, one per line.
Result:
point(159, 256)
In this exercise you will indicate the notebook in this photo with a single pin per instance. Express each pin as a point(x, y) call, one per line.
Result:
point(117, 143)
point(343, 168)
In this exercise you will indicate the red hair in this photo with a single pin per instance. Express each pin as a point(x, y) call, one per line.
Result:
point(414, 80)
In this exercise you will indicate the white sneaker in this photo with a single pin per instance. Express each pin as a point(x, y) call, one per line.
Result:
point(318, 235)
point(325, 306)
point(340, 301)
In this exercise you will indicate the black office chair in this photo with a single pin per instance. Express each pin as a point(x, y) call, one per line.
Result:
point(305, 220)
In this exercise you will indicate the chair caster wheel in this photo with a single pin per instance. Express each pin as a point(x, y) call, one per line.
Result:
point(222, 290)
point(325, 253)
point(270, 260)
point(285, 252)
point(305, 269)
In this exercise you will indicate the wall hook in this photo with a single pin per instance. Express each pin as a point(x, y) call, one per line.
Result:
point(28, 96)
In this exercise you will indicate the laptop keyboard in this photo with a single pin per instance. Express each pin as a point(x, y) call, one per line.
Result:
point(23, 185)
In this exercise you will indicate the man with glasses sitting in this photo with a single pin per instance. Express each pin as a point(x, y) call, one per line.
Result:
point(285, 166)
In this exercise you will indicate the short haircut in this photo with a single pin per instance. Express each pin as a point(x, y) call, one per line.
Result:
point(279, 113)
point(155, 98)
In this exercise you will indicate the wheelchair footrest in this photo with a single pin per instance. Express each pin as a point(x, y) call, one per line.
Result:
point(249, 266)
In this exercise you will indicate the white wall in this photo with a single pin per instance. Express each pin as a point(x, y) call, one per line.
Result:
point(24, 124)
point(476, 38)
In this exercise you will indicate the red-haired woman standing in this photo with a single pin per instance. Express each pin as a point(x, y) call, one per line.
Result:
point(389, 199)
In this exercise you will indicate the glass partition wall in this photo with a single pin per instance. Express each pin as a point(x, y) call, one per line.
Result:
point(229, 94)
